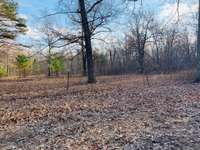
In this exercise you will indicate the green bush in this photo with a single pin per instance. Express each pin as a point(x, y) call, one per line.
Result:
point(3, 72)
point(57, 65)
point(24, 64)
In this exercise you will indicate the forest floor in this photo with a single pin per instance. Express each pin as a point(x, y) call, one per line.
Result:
point(118, 112)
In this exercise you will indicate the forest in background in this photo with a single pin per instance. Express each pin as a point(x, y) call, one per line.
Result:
point(146, 46)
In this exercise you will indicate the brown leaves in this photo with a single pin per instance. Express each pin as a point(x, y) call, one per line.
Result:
point(112, 114)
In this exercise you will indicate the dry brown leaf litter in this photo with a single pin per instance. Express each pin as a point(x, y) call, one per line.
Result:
point(119, 112)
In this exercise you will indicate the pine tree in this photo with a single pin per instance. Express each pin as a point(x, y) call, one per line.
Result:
point(10, 23)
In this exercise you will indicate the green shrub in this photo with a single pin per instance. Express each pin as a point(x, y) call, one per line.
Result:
point(57, 65)
point(24, 64)
point(3, 72)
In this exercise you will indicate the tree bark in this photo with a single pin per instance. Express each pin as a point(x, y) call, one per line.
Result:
point(141, 61)
point(7, 64)
point(88, 45)
point(49, 62)
point(198, 48)
point(49, 71)
point(84, 67)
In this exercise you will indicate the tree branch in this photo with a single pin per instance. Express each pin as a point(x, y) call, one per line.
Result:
point(94, 5)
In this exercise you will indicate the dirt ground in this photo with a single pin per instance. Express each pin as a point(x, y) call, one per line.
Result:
point(116, 113)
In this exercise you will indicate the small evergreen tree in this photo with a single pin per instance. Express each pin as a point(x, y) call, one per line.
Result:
point(57, 65)
point(24, 64)
point(10, 23)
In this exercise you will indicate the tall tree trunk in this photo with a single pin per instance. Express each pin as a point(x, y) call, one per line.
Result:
point(7, 64)
point(84, 67)
point(141, 61)
point(198, 48)
point(24, 73)
point(49, 62)
point(49, 71)
point(88, 45)
point(157, 55)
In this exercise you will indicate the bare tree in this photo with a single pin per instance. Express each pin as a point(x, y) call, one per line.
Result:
point(49, 41)
point(140, 30)
point(92, 17)
point(87, 37)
